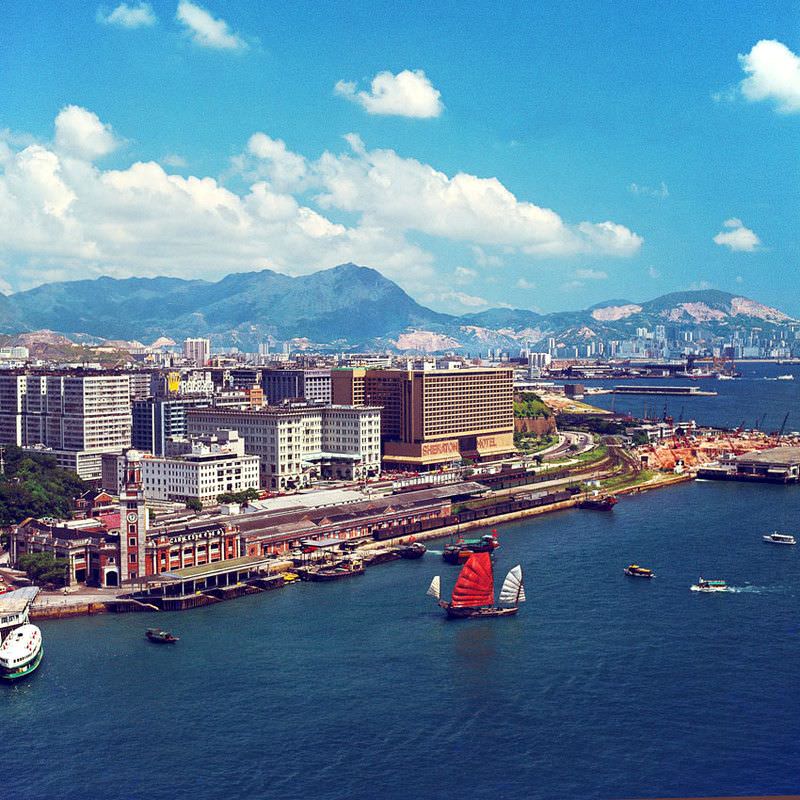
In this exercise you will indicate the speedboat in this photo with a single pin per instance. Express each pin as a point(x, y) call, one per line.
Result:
point(160, 637)
point(779, 538)
point(704, 585)
point(785, 378)
point(635, 571)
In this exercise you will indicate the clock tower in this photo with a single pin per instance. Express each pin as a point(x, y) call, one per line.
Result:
point(133, 520)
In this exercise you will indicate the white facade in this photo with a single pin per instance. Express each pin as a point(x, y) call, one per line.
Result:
point(297, 444)
point(203, 473)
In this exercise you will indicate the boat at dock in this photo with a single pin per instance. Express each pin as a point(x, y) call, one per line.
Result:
point(160, 637)
point(473, 593)
point(346, 569)
point(21, 652)
point(598, 502)
point(779, 538)
point(635, 571)
point(412, 551)
point(707, 586)
point(459, 551)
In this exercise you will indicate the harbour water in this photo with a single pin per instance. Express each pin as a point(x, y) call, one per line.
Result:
point(602, 687)
point(754, 397)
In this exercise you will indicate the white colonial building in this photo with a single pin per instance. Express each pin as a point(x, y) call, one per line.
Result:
point(299, 443)
point(199, 469)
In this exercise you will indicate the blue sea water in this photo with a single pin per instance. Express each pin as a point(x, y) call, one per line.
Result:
point(756, 398)
point(602, 687)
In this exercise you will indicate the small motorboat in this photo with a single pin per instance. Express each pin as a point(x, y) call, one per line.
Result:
point(785, 378)
point(160, 637)
point(412, 551)
point(779, 538)
point(290, 577)
point(635, 571)
point(707, 586)
point(462, 549)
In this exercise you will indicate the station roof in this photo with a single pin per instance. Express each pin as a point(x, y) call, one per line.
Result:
point(16, 601)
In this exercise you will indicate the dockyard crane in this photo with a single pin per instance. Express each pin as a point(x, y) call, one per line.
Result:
point(783, 428)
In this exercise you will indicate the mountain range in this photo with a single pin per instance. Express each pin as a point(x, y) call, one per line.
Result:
point(344, 308)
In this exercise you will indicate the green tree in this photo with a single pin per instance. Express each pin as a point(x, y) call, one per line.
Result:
point(44, 568)
point(193, 504)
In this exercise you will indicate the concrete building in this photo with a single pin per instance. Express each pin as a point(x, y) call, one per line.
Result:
point(74, 416)
point(197, 351)
point(431, 417)
point(298, 444)
point(311, 385)
point(156, 419)
point(191, 469)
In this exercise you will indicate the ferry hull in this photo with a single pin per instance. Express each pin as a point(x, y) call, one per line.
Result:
point(23, 670)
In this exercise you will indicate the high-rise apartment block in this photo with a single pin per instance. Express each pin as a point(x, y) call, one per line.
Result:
point(311, 385)
point(198, 351)
point(76, 416)
point(431, 417)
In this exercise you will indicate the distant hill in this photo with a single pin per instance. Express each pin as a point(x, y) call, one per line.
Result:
point(347, 307)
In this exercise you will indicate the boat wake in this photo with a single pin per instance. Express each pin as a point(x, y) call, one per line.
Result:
point(436, 552)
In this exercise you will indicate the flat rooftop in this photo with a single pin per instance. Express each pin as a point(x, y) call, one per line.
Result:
point(775, 455)
point(16, 601)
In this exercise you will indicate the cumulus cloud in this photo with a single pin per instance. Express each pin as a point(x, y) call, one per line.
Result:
point(736, 237)
point(139, 15)
point(173, 160)
point(524, 283)
point(407, 94)
point(62, 215)
point(390, 190)
point(773, 73)
point(205, 30)
point(81, 133)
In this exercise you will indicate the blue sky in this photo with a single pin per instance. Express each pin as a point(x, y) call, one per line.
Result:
point(544, 156)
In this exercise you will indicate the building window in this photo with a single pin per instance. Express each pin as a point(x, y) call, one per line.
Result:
point(132, 541)
point(132, 558)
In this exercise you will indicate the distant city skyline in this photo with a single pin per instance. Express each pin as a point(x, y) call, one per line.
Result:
point(546, 157)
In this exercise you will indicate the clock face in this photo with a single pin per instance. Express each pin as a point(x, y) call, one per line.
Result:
point(132, 516)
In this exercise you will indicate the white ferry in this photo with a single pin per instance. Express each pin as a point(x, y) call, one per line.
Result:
point(20, 642)
point(779, 538)
point(21, 652)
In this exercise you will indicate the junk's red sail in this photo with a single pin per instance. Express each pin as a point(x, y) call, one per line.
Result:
point(475, 584)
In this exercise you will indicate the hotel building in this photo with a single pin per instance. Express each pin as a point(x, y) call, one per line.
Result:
point(431, 417)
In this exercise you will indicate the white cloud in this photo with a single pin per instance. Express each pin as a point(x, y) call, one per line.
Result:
point(739, 279)
point(407, 94)
point(700, 285)
point(173, 160)
point(207, 31)
point(456, 302)
point(773, 73)
point(653, 273)
point(463, 275)
point(484, 259)
point(659, 192)
point(737, 237)
point(63, 216)
point(81, 133)
point(407, 194)
point(273, 160)
point(139, 15)
point(591, 274)
point(524, 283)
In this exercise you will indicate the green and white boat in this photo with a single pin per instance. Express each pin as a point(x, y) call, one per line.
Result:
point(21, 652)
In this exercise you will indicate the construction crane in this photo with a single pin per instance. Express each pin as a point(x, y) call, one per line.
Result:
point(783, 428)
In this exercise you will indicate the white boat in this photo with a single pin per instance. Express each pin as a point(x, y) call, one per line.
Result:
point(21, 652)
point(779, 538)
point(704, 585)
point(785, 378)
point(723, 377)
